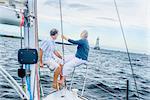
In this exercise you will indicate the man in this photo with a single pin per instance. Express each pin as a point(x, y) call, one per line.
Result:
point(79, 58)
point(46, 54)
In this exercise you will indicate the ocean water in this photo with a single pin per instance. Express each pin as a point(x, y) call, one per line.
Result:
point(107, 73)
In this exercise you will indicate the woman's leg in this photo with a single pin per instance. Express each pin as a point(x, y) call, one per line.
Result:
point(69, 66)
point(67, 59)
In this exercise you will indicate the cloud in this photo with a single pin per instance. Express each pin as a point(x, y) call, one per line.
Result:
point(80, 6)
point(107, 18)
point(53, 3)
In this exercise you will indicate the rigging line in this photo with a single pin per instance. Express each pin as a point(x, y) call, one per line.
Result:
point(61, 24)
point(21, 36)
point(126, 47)
point(28, 24)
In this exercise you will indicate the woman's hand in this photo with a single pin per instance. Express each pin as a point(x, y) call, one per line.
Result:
point(63, 37)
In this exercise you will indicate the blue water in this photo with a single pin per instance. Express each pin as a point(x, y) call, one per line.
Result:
point(108, 70)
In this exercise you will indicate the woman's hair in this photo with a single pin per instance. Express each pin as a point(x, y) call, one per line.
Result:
point(53, 32)
point(85, 33)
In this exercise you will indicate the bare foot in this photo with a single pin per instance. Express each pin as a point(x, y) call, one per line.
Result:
point(41, 65)
point(56, 86)
point(61, 81)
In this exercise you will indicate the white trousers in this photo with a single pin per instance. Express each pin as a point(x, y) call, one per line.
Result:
point(70, 62)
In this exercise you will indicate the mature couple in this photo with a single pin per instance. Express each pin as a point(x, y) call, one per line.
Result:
point(51, 57)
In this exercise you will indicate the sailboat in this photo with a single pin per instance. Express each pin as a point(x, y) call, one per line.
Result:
point(27, 57)
point(31, 88)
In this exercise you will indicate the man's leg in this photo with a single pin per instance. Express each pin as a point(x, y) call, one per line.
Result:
point(56, 74)
point(53, 64)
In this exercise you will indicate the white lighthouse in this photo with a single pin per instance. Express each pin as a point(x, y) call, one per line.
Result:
point(97, 47)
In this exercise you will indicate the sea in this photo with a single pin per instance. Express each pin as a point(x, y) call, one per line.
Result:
point(107, 73)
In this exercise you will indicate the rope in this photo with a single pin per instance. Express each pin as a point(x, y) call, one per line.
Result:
point(126, 47)
point(21, 43)
point(21, 25)
point(61, 24)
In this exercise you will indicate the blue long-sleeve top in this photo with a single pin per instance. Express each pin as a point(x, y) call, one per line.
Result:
point(82, 48)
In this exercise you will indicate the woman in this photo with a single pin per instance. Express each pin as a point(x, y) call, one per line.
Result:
point(79, 58)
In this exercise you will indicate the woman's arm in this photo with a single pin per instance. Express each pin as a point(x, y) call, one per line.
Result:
point(79, 42)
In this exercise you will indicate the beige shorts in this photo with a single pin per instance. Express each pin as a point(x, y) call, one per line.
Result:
point(52, 63)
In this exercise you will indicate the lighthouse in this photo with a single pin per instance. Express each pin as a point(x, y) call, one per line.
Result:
point(97, 47)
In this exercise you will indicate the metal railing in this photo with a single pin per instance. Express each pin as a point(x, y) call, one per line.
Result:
point(14, 84)
point(85, 77)
point(102, 88)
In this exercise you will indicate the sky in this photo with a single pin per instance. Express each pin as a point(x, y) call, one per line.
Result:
point(100, 19)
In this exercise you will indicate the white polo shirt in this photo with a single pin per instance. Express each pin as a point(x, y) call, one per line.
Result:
point(48, 47)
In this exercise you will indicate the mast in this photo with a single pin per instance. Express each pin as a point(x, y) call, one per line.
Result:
point(31, 41)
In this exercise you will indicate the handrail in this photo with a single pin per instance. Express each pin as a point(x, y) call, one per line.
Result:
point(72, 78)
point(13, 83)
point(85, 77)
point(83, 88)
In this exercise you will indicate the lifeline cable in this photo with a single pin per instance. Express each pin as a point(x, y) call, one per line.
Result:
point(126, 47)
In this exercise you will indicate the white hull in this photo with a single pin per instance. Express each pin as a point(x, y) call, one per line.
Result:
point(63, 94)
point(8, 16)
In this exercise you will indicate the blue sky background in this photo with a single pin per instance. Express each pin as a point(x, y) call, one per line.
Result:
point(99, 17)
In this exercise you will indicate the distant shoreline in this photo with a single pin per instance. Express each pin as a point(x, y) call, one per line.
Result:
point(1, 35)
point(17, 37)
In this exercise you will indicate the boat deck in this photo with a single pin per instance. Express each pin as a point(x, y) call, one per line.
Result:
point(63, 94)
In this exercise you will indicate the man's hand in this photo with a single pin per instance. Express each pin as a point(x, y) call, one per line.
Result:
point(63, 37)
point(41, 65)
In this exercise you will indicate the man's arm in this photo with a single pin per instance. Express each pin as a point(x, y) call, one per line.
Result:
point(40, 57)
point(57, 54)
